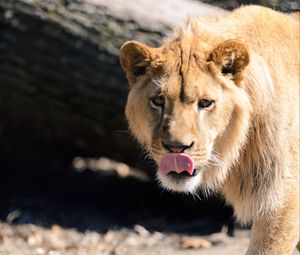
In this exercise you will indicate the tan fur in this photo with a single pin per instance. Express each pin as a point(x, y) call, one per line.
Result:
point(246, 144)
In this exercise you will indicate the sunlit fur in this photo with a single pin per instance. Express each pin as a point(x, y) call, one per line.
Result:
point(247, 144)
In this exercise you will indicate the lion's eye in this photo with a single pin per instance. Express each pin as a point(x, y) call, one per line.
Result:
point(205, 103)
point(157, 102)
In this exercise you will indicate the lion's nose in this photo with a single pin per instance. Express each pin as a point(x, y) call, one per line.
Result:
point(176, 147)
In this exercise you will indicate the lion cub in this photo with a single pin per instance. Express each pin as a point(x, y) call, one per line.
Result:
point(217, 107)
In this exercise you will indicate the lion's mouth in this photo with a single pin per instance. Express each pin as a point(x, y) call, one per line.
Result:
point(183, 174)
point(177, 172)
point(177, 165)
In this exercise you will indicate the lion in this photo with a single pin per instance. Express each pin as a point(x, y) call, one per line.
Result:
point(217, 107)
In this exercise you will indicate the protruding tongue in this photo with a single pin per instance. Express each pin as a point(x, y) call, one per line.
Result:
point(176, 162)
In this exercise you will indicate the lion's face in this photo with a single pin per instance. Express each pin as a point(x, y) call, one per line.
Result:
point(181, 107)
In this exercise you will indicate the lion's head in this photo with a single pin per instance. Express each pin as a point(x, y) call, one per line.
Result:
point(187, 106)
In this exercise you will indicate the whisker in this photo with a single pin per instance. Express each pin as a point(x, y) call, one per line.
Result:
point(195, 196)
point(145, 154)
point(198, 155)
point(215, 160)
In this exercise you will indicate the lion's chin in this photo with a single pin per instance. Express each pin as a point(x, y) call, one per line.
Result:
point(185, 185)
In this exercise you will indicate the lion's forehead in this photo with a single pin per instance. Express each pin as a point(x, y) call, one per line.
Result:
point(189, 87)
point(185, 74)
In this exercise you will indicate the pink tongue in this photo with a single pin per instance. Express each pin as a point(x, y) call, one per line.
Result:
point(176, 162)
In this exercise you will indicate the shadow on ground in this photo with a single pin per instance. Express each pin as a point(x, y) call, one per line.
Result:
point(101, 200)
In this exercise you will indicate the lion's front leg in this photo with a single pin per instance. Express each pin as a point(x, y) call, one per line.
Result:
point(276, 235)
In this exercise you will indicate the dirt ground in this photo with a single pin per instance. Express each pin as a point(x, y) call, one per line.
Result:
point(29, 239)
point(104, 207)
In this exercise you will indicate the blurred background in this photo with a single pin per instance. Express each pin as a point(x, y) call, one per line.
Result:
point(72, 179)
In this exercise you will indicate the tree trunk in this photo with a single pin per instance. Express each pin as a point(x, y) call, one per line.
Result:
point(62, 91)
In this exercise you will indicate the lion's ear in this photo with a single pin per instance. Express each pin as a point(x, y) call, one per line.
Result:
point(231, 57)
point(135, 58)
